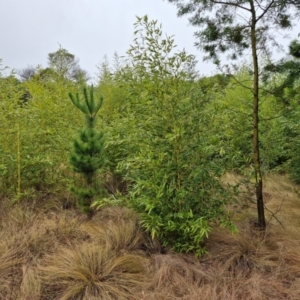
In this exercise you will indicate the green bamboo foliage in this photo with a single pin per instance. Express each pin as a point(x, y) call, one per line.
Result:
point(88, 148)
point(174, 185)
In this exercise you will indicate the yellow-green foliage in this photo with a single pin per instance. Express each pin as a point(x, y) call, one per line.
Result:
point(232, 124)
point(42, 128)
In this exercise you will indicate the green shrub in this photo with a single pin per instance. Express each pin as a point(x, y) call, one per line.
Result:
point(173, 183)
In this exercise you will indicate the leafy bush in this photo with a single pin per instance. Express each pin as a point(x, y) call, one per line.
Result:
point(174, 185)
point(33, 150)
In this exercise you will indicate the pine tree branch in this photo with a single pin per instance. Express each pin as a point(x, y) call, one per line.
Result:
point(240, 83)
point(232, 4)
point(265, 11)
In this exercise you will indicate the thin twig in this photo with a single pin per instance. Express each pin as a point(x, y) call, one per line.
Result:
point(274, 214)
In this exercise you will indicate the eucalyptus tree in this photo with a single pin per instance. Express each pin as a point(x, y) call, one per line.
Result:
point(233, 27)
point(66, 65)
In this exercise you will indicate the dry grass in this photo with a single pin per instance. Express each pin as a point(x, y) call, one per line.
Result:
point(50, 253)
point(247, 266)
point(92, 271)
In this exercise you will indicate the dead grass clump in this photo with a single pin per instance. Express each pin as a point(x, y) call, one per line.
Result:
point(36, 237)
point(119, 228)
point(116, 214)
point(92, 271)
point(25, 237)
point(283, 202)
point(43, 233)
point(244, 266)
point(57, 254)
point(247, 251)
point(175, 276)
point(253, 265)
point(11, 261)
point(30, 287)
point(122, 236)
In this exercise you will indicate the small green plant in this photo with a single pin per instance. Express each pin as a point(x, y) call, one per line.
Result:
point(87, 156)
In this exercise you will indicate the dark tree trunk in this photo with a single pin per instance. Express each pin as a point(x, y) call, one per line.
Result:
point(256, 150)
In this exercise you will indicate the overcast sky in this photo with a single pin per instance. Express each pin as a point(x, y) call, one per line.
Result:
point(30, 29)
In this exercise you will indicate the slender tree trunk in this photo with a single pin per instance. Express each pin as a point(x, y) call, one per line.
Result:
point(256, 150)
point(19, 160)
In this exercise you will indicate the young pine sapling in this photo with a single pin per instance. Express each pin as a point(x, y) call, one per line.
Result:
point(87, 155)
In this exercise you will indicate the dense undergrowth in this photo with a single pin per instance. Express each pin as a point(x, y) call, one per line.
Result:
point(47, 252)
point(151, 174)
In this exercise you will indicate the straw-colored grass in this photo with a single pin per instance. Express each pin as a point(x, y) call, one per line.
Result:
point(50, 253)
point(92, 271)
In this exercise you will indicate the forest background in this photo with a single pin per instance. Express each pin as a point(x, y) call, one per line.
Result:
point(167, 131)
point(170, 137)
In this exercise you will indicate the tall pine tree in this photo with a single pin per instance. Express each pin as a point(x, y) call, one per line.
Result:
point(235, 27)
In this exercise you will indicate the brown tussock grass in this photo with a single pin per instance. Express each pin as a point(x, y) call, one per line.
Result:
point(247, 265)
point(283, 200)
point(10, 271)
point(120, 230)
point(30, 287)
point(25, 237)
point(60, 255)
point(92, 271)
point(50, 253)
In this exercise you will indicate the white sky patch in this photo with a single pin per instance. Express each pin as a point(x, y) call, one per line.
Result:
point(90, 29)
